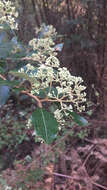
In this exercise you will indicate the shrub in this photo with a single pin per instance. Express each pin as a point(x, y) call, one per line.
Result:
point(49, 83)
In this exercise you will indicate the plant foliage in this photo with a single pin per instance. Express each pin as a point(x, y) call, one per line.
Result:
point(48, 82)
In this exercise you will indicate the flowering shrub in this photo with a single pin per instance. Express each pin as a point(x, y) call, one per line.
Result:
point(9, 46)
point(53, 84)
point(59, 84)
point(47, 80)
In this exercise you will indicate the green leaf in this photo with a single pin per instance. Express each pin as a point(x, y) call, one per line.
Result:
point(54, 91)
point(9, 83)
point(25, 76)
point(45, 124)
point(1, 70)
point(17, 90)
point(44, 92)
point(4, 94)
point(20, 75)
point(78, 119)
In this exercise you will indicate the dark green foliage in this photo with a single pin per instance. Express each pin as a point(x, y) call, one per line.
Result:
point(81, 121)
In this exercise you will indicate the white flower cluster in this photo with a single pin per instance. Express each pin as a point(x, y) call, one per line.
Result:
point(68, 88)
point(8, 14)
point(61, 86)
point(52, 61)
point(46, 31)
point(43, 48)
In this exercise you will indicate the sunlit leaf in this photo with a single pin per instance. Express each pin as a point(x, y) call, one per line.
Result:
point(45, 125)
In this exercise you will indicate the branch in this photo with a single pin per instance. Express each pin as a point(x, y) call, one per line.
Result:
point(62, 175)
point(34, 97)
point(2, 77)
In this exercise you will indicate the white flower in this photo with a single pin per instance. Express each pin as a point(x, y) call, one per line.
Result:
point(8, 14)
point(52, 61)
point(59, 116)
point(43, 47)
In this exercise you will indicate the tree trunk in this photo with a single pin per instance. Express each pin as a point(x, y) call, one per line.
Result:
point(68, 9)
point(45, 7)
point(35, 13)
point(101, 48)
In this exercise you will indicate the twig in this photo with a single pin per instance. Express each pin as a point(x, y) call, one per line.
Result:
point(49, 100)
point(85, 161)
point(67, 176)
point(98, 185)
point(2, 77)
point(62, 175)
point(90, 141)
point(34, 97)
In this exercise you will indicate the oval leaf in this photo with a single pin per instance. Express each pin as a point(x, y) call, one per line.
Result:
point(78, 119)
point(45, 125)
